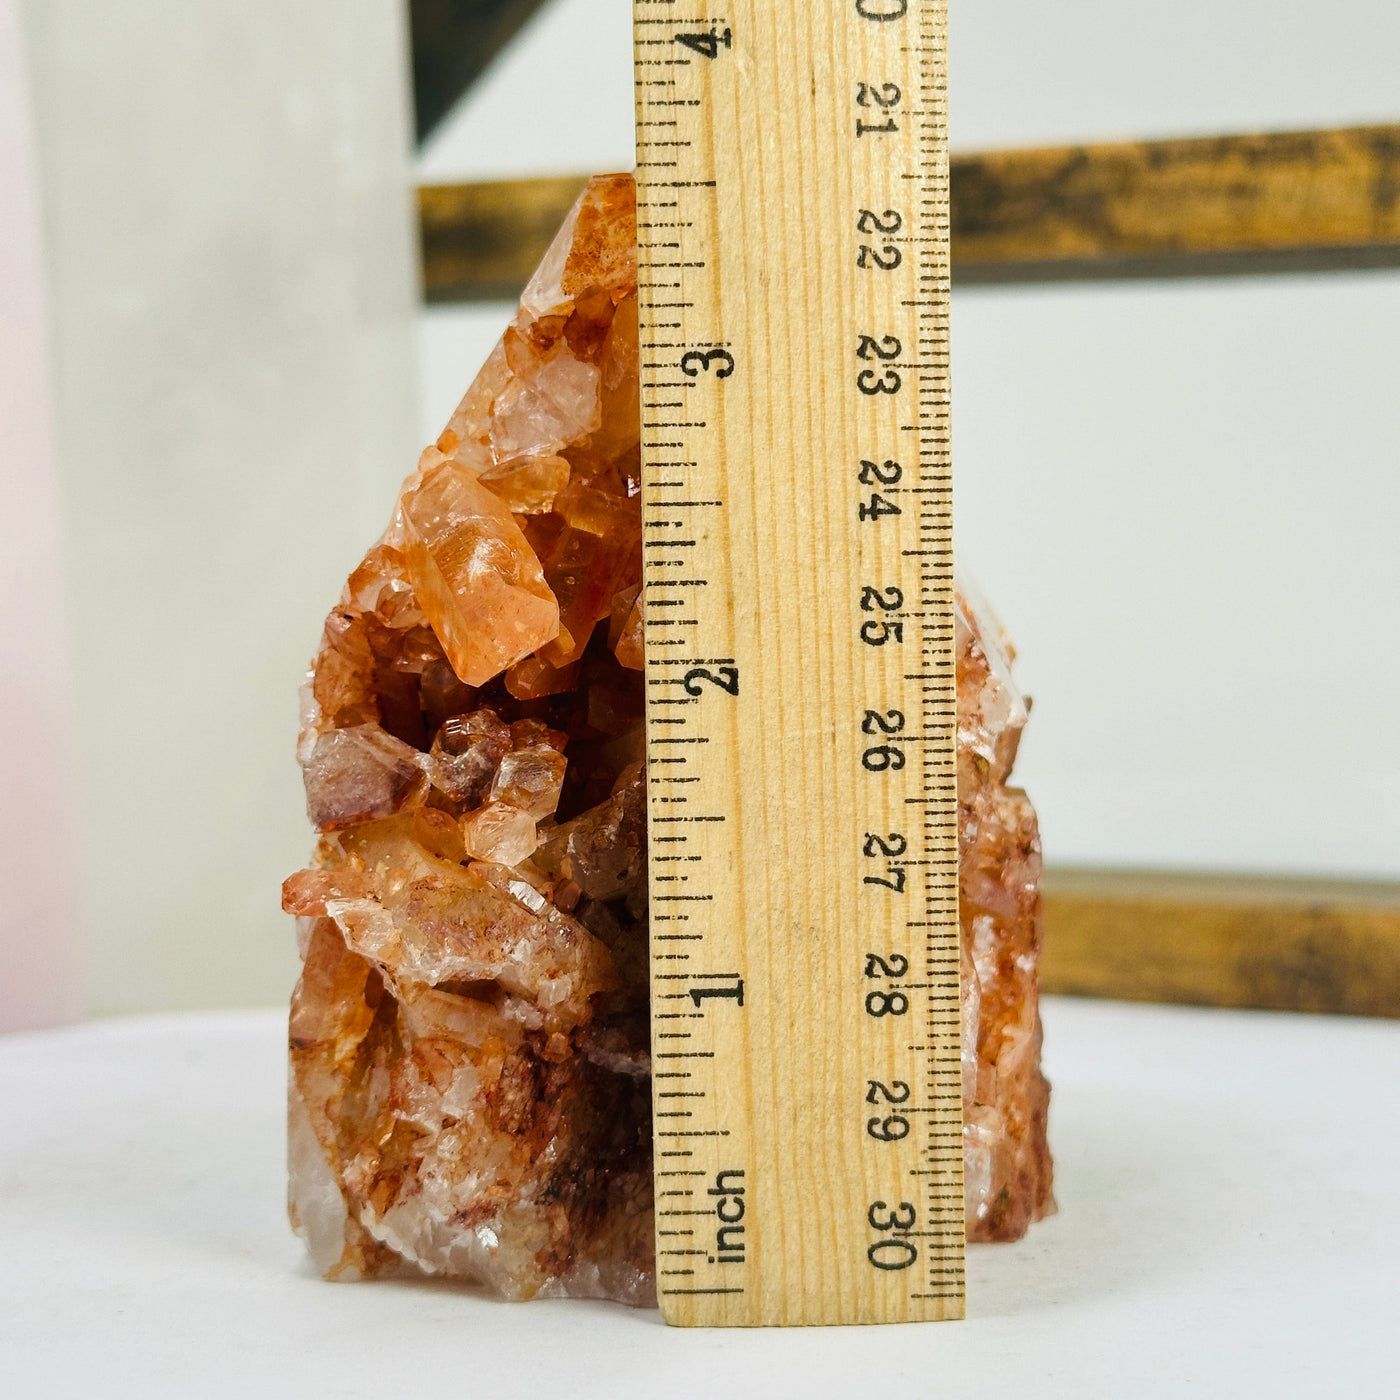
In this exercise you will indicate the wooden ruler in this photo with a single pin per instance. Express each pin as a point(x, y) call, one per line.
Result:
point(792, 206)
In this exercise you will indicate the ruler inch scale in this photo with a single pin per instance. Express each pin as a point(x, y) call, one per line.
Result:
point(793, 223)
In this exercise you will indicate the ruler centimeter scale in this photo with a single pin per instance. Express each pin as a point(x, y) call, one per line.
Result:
point(792, 212)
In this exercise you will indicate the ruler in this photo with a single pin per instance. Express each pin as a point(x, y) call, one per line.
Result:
point(792, 207)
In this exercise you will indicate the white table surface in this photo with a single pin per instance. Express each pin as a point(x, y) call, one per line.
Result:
point(1229, 1225)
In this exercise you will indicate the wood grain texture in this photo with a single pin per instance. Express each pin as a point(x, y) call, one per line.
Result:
point(482, 242)
point(1296, 201)
point(1207, 940)
point(1155, 208)
point(792, 217)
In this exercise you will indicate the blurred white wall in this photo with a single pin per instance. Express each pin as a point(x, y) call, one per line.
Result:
point(232, 276)
point(39, 957)
point(1183, 497)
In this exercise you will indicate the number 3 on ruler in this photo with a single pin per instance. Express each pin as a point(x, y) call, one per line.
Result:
point(693, 361)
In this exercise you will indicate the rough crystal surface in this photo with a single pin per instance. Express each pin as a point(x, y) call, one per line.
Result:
point(470, 1076)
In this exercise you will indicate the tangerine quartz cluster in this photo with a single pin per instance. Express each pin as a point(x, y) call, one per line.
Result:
point(470, 1081)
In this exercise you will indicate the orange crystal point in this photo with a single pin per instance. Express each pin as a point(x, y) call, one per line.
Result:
point(470, 1088)
point(474, 574)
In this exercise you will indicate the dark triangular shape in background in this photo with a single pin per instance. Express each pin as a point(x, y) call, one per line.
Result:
point(453, 41)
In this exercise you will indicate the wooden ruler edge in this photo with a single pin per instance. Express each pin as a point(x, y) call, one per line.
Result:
point(792, 1269)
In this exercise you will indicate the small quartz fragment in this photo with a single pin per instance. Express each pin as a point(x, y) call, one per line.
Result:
point(358, 773)
point(470, 1059)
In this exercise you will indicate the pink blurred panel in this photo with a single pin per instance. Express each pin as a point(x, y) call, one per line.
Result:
point(39, 960)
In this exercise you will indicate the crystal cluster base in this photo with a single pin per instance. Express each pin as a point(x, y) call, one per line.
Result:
point(470, 1078)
